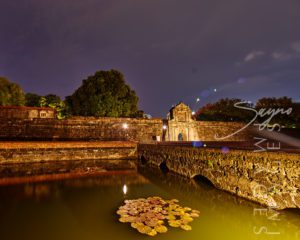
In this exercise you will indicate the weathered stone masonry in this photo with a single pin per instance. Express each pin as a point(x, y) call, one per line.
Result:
point(26, 155)
point(109, 129)
point(22, 112)
point(23, 123)
point(80, 129)
point(269, 178)
point(16, 162)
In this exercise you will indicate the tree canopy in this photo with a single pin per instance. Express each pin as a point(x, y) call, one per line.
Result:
point(11, 94)
point(105, 94)
point(266, 102)
point(50, 100)
point(35, 100)
point(224, 110)
point(291, 120)
point(32, 100)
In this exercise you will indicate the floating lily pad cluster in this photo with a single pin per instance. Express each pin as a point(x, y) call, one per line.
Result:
point(149, 216)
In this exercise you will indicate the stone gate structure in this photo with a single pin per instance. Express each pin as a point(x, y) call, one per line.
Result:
point(181, 125)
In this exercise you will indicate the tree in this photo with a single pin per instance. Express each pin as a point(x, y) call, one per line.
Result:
point(52, 99)
point(43, 102)
point(280, 103)
point(60, 108)
point(224, 110)
point(296, 115)
point(11, 94)
point(32, 100)
point(104, 94)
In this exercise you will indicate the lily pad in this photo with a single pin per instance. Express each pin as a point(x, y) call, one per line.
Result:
point(144, 229)
point(186, 227)
point(152, 233)
point(194, 215)
point(161, 229)
point(150, 216)
point(174, 223)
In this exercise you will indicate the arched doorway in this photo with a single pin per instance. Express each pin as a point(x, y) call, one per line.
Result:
point(180, 137)
point(163, 167)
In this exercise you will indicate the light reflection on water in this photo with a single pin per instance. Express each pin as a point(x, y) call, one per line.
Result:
point(85, 209)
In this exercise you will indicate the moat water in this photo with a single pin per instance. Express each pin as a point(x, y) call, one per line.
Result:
point(84, 208)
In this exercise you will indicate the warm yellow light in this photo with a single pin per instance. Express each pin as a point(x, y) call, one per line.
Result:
point(125, 189)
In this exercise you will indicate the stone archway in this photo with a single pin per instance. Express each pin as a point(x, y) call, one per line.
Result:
point(163, 167)
point(180, 137)
point(143, 160)
point(181, 125)
point(200, 179)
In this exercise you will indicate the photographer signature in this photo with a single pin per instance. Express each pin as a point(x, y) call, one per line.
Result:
point(263, 112)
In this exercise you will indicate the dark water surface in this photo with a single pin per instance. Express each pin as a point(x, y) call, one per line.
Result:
point(85, 209)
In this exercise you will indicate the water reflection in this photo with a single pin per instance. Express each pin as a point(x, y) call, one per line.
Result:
point(13, 170)
point(192, 189)
point(229, 210)
point(45, 190)
point(85, 208)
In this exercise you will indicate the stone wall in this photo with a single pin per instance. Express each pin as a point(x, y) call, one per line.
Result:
point(90, 128)
point(26, 155)
point(80, 129)
point(28, 162)
point(22, 112)
point(31, 159)
point(112, 129)
point(209, 130)
point(269, 178)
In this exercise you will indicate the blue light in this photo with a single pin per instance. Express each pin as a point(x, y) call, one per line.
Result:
point(225, 150)
point(197, 144)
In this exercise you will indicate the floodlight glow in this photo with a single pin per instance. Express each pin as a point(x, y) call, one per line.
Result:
point(125, 189)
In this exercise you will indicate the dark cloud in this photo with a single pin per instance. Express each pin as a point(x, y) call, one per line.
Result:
point(168, 50)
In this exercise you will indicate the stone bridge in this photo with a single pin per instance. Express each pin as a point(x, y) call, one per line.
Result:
point(269, 178)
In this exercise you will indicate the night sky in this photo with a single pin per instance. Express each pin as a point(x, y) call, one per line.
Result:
point(169, 50)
